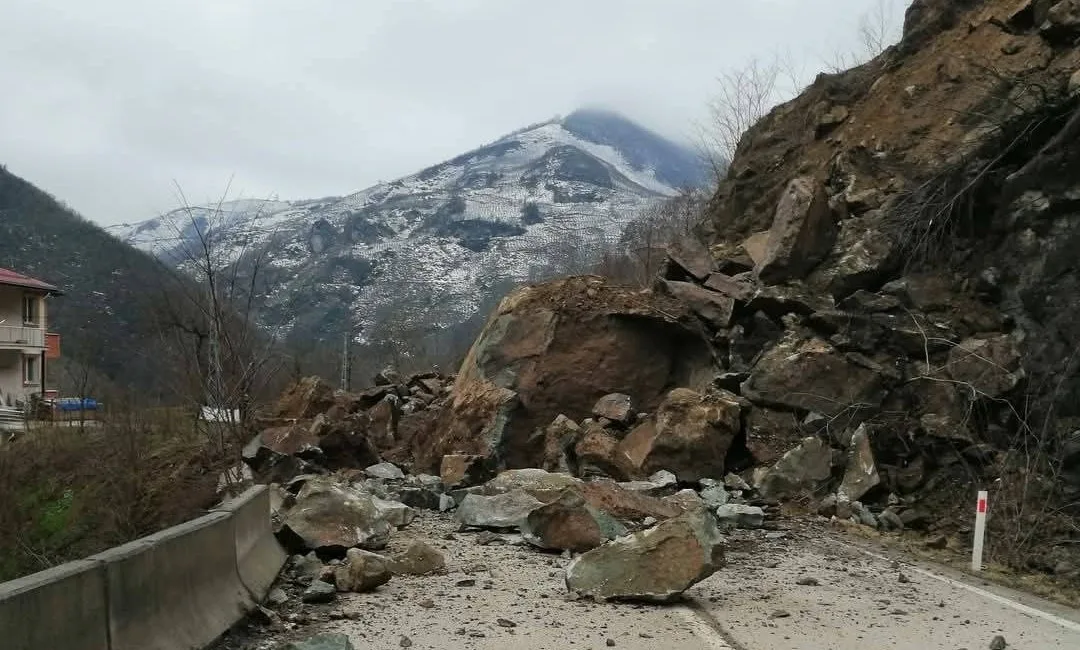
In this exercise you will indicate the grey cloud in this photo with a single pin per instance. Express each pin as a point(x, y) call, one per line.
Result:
point(106, 103)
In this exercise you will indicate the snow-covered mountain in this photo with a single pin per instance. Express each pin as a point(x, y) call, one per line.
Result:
point(423, 253)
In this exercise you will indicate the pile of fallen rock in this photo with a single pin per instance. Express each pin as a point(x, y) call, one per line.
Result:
point(314, 428)
point(337, 526)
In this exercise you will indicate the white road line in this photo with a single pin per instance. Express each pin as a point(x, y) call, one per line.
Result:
point(1020, 607)
point(701, 629)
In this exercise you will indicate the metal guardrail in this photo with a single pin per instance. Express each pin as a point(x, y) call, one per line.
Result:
point(12, 419)
point(33, 337)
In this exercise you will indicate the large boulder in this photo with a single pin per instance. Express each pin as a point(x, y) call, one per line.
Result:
point(560, 438)
point(330, 518)
point(655, 565)
point(804, 470)
point(362, 571)
point(714, 308)
point(860, 475)
point(689, 436)
point(597, 452)
point(500, 511)
point(569, 523)
point(771, 433)
point(304, 400)
point(988, 366)
point(419, 558)
point(802, 233)
point(616, 407)
point(811, 375)
point(630, 506)
point(538, 483)
point(527, 365)
point(464, 470)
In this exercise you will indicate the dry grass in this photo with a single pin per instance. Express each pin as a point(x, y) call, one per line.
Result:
point(69, 493)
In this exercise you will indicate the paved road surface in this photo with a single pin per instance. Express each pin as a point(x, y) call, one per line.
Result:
point(859, 603)
point(862, 603)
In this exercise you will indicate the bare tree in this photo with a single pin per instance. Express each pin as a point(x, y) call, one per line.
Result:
point(211, 323)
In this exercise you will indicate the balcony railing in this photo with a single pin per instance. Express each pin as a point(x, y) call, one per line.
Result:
point(26, 337)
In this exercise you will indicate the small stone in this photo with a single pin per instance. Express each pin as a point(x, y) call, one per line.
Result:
point(780, 613)
point(937, 542)
point(319, 592)
point(387, 471)
point(468, 582)
point(502, 622)
point(321, 642)
point(898, 612)
point(427, 603)
point(998, 643)
point(277, 597)
point(610, 643)
point(807, 581)
point(405, 642)
point(903, 579)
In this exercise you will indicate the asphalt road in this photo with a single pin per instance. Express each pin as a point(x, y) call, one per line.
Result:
point(506, 596)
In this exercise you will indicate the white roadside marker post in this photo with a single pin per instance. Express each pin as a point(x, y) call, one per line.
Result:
point(980, 532)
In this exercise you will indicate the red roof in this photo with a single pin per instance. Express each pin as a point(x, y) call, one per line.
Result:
point(19, 280)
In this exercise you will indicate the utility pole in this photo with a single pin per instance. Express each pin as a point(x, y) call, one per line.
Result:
point(346, 361)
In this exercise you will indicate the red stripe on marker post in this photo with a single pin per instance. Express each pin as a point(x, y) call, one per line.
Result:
point(982, 505)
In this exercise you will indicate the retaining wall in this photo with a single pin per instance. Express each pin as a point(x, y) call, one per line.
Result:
point(178, 589)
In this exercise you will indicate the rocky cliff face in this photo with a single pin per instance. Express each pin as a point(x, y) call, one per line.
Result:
point(887, 291)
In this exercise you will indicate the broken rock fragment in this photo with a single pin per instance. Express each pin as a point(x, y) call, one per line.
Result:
point(419, 558)
point(654, 565)
point(362, 571)
point(331, 518)
point(569, 523)
point(804, 469)
point(617, 407)
point(499, 511)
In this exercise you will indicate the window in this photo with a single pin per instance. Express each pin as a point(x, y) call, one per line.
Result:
point(31, 310)
point(31, 370)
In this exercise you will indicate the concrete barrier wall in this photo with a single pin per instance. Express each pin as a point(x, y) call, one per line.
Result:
point(175, 590)
point(63, 607)
point(259, 557)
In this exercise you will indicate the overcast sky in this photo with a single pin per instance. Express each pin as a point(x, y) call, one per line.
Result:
point(107, 103)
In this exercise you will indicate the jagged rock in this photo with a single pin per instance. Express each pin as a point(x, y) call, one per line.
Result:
point(757, 247)
point(714, 496)
point(464, 470)
point(686, 500)
point(804, 469)
point(645, 567)
point(270, 466)
point(388, 376)
point(321, 642)
point(392, 512)
point(597, 451)
point(889, 520)
point(692, 257)
point(569, 523)
point(560, 437)
point(865, 254)
point(526, 366)
point(735, 515)
point(771, 433)
point(345, 444)
point(813, 376)
point(617, 407)
point(305, 399)
point(418, 559)
point(690, 436)
point(990, 366)
point(728, 286)
point(330, 518)
point(387, 471)
point(500, 511)
point(319, 592)
point(802, 233)
point(306, 565)
point(541, 484)
point(714, 308)
point(733, 481)
point(663, 478)
point(383, 420)
point(861, 474)
point(625, 505)
point(362, 571)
